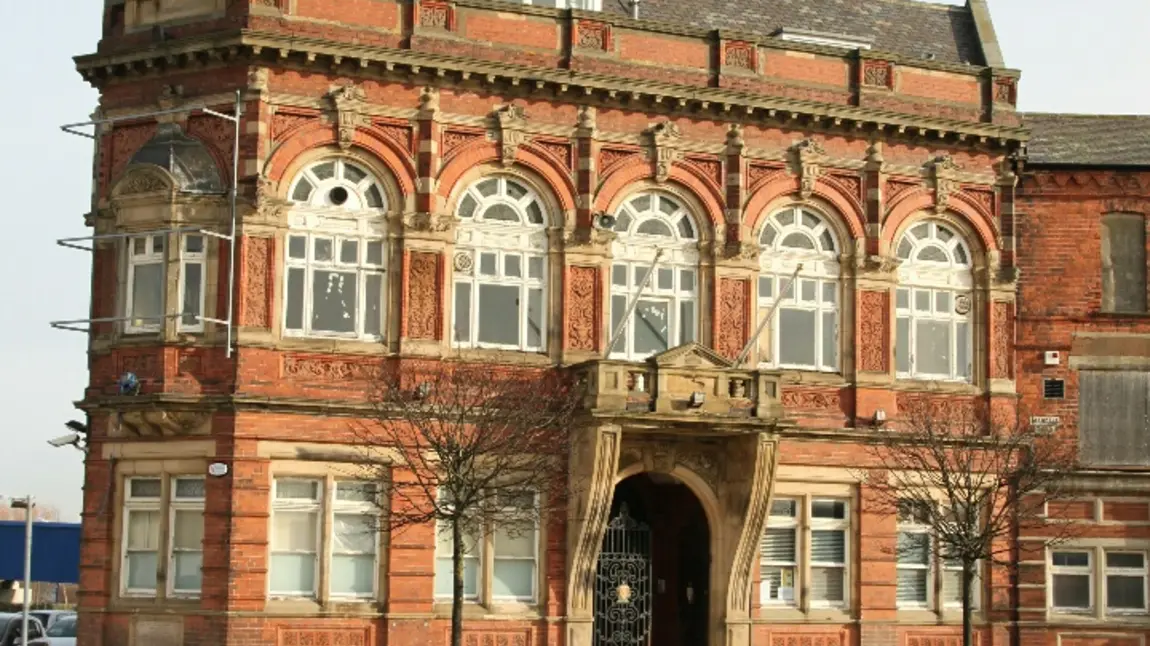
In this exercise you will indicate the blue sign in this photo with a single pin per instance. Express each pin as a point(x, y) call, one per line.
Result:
point(55, 551)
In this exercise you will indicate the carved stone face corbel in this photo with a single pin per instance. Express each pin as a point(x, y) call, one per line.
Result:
point(736, 250)
point(170, 96)
point(663, 139)
point(510, 120)
point(877, 264)
point(429, 100)
point(943, 170)
point(348, 103)
point(735, 141)
point(587, 120)
point(268, 206)
point(593, 238)
point(809, 159)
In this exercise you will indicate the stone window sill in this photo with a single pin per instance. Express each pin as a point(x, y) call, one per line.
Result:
point(770, 614)
point(476, 610)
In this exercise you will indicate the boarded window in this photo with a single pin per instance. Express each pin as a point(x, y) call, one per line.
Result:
point(1123, 262)
point(1114, 417)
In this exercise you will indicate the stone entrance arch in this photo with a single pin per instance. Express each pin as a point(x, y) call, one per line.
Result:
point(730, 474)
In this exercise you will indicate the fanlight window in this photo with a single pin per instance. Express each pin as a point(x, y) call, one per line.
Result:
point(666, 312)
point(336, 253)
point(804, 332)
point(500, 267)
point(933, 304)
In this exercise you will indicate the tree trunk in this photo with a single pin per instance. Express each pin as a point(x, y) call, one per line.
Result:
point(967, 583)
point(456, 582)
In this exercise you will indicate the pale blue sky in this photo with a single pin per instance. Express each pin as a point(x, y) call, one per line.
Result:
point(1075, 56)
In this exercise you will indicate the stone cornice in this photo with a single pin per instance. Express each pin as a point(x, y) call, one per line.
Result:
point(249, 47)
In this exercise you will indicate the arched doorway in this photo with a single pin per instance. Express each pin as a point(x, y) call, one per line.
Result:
point(653, 576)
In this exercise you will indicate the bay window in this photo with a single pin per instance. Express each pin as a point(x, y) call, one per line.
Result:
point(145, 300)
point(304, 511)
point(933, 305)
point(666, 308)
point(500, 267)
point(337, 254)
point(804, 334)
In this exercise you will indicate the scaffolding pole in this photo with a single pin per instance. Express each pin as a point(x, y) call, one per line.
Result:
point(766, 319)
point(227, 323)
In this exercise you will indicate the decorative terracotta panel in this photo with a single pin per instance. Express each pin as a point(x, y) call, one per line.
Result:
point(423, 310)
point(323, 637)
point(877, 74)
point(812, 399)
point(126, 141)
point(808, 639)
point(939, 639)
point(733, 319)
point(583, 308)
point(593, 35)
point(739, 54)
point(874, 337)
point(1002, 332)
point(496, 638)
point(255, 300)
point(330, 369)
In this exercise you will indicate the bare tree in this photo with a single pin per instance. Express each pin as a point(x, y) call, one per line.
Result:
point(472, 449)
point(972, 479)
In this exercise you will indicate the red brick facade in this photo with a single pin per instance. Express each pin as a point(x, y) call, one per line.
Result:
point(587, 111)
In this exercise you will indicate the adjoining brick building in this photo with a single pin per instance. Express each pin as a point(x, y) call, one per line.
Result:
point(489, 181)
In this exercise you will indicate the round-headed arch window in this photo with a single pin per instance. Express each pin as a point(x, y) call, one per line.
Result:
point(337, 253)
point(500, 266)
point(665, 314)
point(933, 304)
point(338, 183)
point(800, 283)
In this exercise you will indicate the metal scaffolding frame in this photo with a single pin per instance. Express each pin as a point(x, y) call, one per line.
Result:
point(85, 325)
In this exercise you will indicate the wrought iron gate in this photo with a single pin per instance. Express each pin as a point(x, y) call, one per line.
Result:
point(623, 584)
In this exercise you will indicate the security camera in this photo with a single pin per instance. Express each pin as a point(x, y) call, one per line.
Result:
point(605, 221)
point(65, 440)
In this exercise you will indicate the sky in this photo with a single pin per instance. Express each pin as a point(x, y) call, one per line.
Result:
point(1075, 56)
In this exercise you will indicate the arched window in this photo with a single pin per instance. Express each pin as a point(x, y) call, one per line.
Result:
point(665, 313)
point(336, 253)
point(500, 267)
point(933, 304)
point(804, 333)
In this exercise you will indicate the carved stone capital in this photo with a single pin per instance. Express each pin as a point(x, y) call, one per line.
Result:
point(428, 223)
point(510, 120)
point(663, 140)
point(943, 170)
point(809, 158)
point(593, 237)
point(877, 264)
point(735, 250)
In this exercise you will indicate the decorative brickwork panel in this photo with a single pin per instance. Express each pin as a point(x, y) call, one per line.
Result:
point(494, 638)
point(874, 338)
point(938, 639)
point(583, 308)
point(1002, 333)
point(877, 74)
point(330, 369)
point(732, 332)
point(895, 188)
point(284, 122)
point(808, 639)
point(984, 200)
point(593, 35)
point(323, 637)
point(1100, 640)
point(126, 141)
point(454, 139)
point(610, 157)
point(559, 150)
point(423, 311)
point(401, 135)
point(255, 300)
point(143, 365)
point(1125, 511)
point(812, 399)
point(436, 15)
point(1004, 91)
point(739, 55)
point(712, 169)
point(756, 173)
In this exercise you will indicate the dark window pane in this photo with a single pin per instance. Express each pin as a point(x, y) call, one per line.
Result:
point(618, 309)
point(687, 280)
point(467, 207)
point(796, 337)
point(349, 252)
point(654, 228)
point(686, 321)
point(619, 275)
point(193, 284)
point(641, 203)
point(499, 314)
point(686, 230)
point(502, 213)
point(297, 247)
point(798, 241)
point(302, 191)
point(535, 318)
point(534, 213)
point(767, 237)
point(373, 304)
point(1126, 592)
point(324, 171)
point(374, 197)
point(333, 301)
point(515, 190)
point(375, 252)
point(353, 173)
point(1071, 590)
point(463, 312)
point(295, 283)
point(323, 250)
point(488, 187)
point(148, 294)
point(194, 244)
point(650, 325)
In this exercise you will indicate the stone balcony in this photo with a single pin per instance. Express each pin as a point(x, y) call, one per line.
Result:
point(688, 381)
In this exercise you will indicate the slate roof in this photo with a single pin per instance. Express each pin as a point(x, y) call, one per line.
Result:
point(1088, 139)
point(907, 27)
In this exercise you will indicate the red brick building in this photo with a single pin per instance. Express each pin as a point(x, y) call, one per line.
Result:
point(431, 180)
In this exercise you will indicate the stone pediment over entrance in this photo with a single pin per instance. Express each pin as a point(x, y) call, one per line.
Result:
point(691, 355)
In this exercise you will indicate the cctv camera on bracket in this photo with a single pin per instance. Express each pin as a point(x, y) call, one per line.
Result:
point(65, 440)
point(605, 221)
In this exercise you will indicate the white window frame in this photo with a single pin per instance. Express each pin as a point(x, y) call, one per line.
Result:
point(185, 504)
point(189, 258)
point(148, 256)
point(1143, 573)
point(952, 278)
point(585, 5)
point(296, 505)
point(314, 218)
point(1065, 570)
point(140, 504)
point(820, 267)
point(793, 523)
point(477, 238)
point(633, 252)
point(830, 524)
point(486, 557)
point(366, 508)
point(920, 528)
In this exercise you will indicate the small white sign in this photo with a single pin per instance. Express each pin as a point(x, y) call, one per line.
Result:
point(1047, 420)
point(217, 469)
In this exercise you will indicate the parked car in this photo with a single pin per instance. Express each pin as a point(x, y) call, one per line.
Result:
point(10, 631)
point(49, 617)
point(63, 631)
